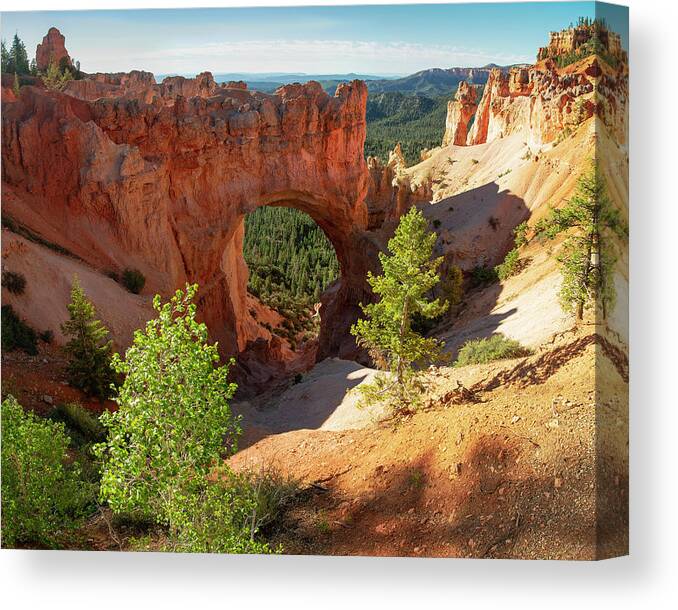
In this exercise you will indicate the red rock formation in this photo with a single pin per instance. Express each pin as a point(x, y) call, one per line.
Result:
point(391, 191)
point(459, 113)
point(98, 85)
point(163, 185)
point(544, 101)
point(52, 49)
point(142, 85)
point(202, 85)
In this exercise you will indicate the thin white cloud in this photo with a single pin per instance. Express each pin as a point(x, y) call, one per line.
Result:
point(315, 56)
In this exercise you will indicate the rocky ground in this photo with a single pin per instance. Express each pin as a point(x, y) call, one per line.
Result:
point(511, 472)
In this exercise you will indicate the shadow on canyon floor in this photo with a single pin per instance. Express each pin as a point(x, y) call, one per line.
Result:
point(491, 504)
point(321, 400)
point(475, 231)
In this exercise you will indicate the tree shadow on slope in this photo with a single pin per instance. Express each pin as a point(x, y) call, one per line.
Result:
point(318, 399)
point(475, 232)
point(490, 504)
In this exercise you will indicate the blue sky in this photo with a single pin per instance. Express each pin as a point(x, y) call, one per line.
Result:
point(398, 39)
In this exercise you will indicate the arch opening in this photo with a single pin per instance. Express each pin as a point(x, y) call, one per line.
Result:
point(291, 261)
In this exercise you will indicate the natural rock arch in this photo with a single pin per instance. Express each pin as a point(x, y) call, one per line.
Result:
point(149, 179)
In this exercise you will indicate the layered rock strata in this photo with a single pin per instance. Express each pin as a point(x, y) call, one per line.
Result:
point(460, 111)
point(154, 180)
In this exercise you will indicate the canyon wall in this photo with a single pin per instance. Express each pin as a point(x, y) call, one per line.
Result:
point(460, 111)
point(545, 101)
point(148, 178)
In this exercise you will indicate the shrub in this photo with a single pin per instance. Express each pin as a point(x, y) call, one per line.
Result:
point(475, 161)
point(14, 282)
point(273, 493)
point(481, 275)
point(76, 417)
point(496, 347)
point(42, 498)
point(452, 285)
point(436, 223)
point(218, 517)
point(89, 349)
point(47, 336)
point(520, 233)
point(16, 334)
point(510, 266)
point(133, 280)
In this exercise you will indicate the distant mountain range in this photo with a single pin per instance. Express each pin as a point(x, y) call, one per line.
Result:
point(432, 82)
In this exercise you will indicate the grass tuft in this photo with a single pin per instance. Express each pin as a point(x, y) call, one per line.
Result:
point(496, 347)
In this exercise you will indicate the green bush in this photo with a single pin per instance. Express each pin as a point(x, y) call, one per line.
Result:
point(16, 334)
point(133, 280)
point(79, 419)
point(89, 348)
point(452, 285)
point(483, 276)
point(43, 499)
point(219, 516)
point(510, 266)
point(273, 493)
point(172, 426)
point(14, 282)
point(496, 347)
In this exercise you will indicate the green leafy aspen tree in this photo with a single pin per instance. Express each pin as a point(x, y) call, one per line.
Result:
point(43, 496)
point(89, 349)
point(409, 274)
point(172, 428)
point(588, 253)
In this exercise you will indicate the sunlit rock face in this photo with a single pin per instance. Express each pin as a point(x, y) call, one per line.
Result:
point(460, 111)
point(52, 49)
point(544, 101)
point(123, 172)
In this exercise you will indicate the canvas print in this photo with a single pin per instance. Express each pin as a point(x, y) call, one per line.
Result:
point(340, 280)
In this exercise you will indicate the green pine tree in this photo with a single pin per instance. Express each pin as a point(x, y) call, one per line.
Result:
point(588, 253)
point(18, 58)
point(4, 53)
point(89, 348)
point(409, 275)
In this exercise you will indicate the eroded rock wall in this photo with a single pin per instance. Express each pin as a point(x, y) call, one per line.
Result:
point(460, 111)
point(546, 102)
point(154, 180)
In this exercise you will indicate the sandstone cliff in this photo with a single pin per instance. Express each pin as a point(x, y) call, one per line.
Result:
point(162, 182)
point(545, 101)
point(460, 111)
point(392, 191)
